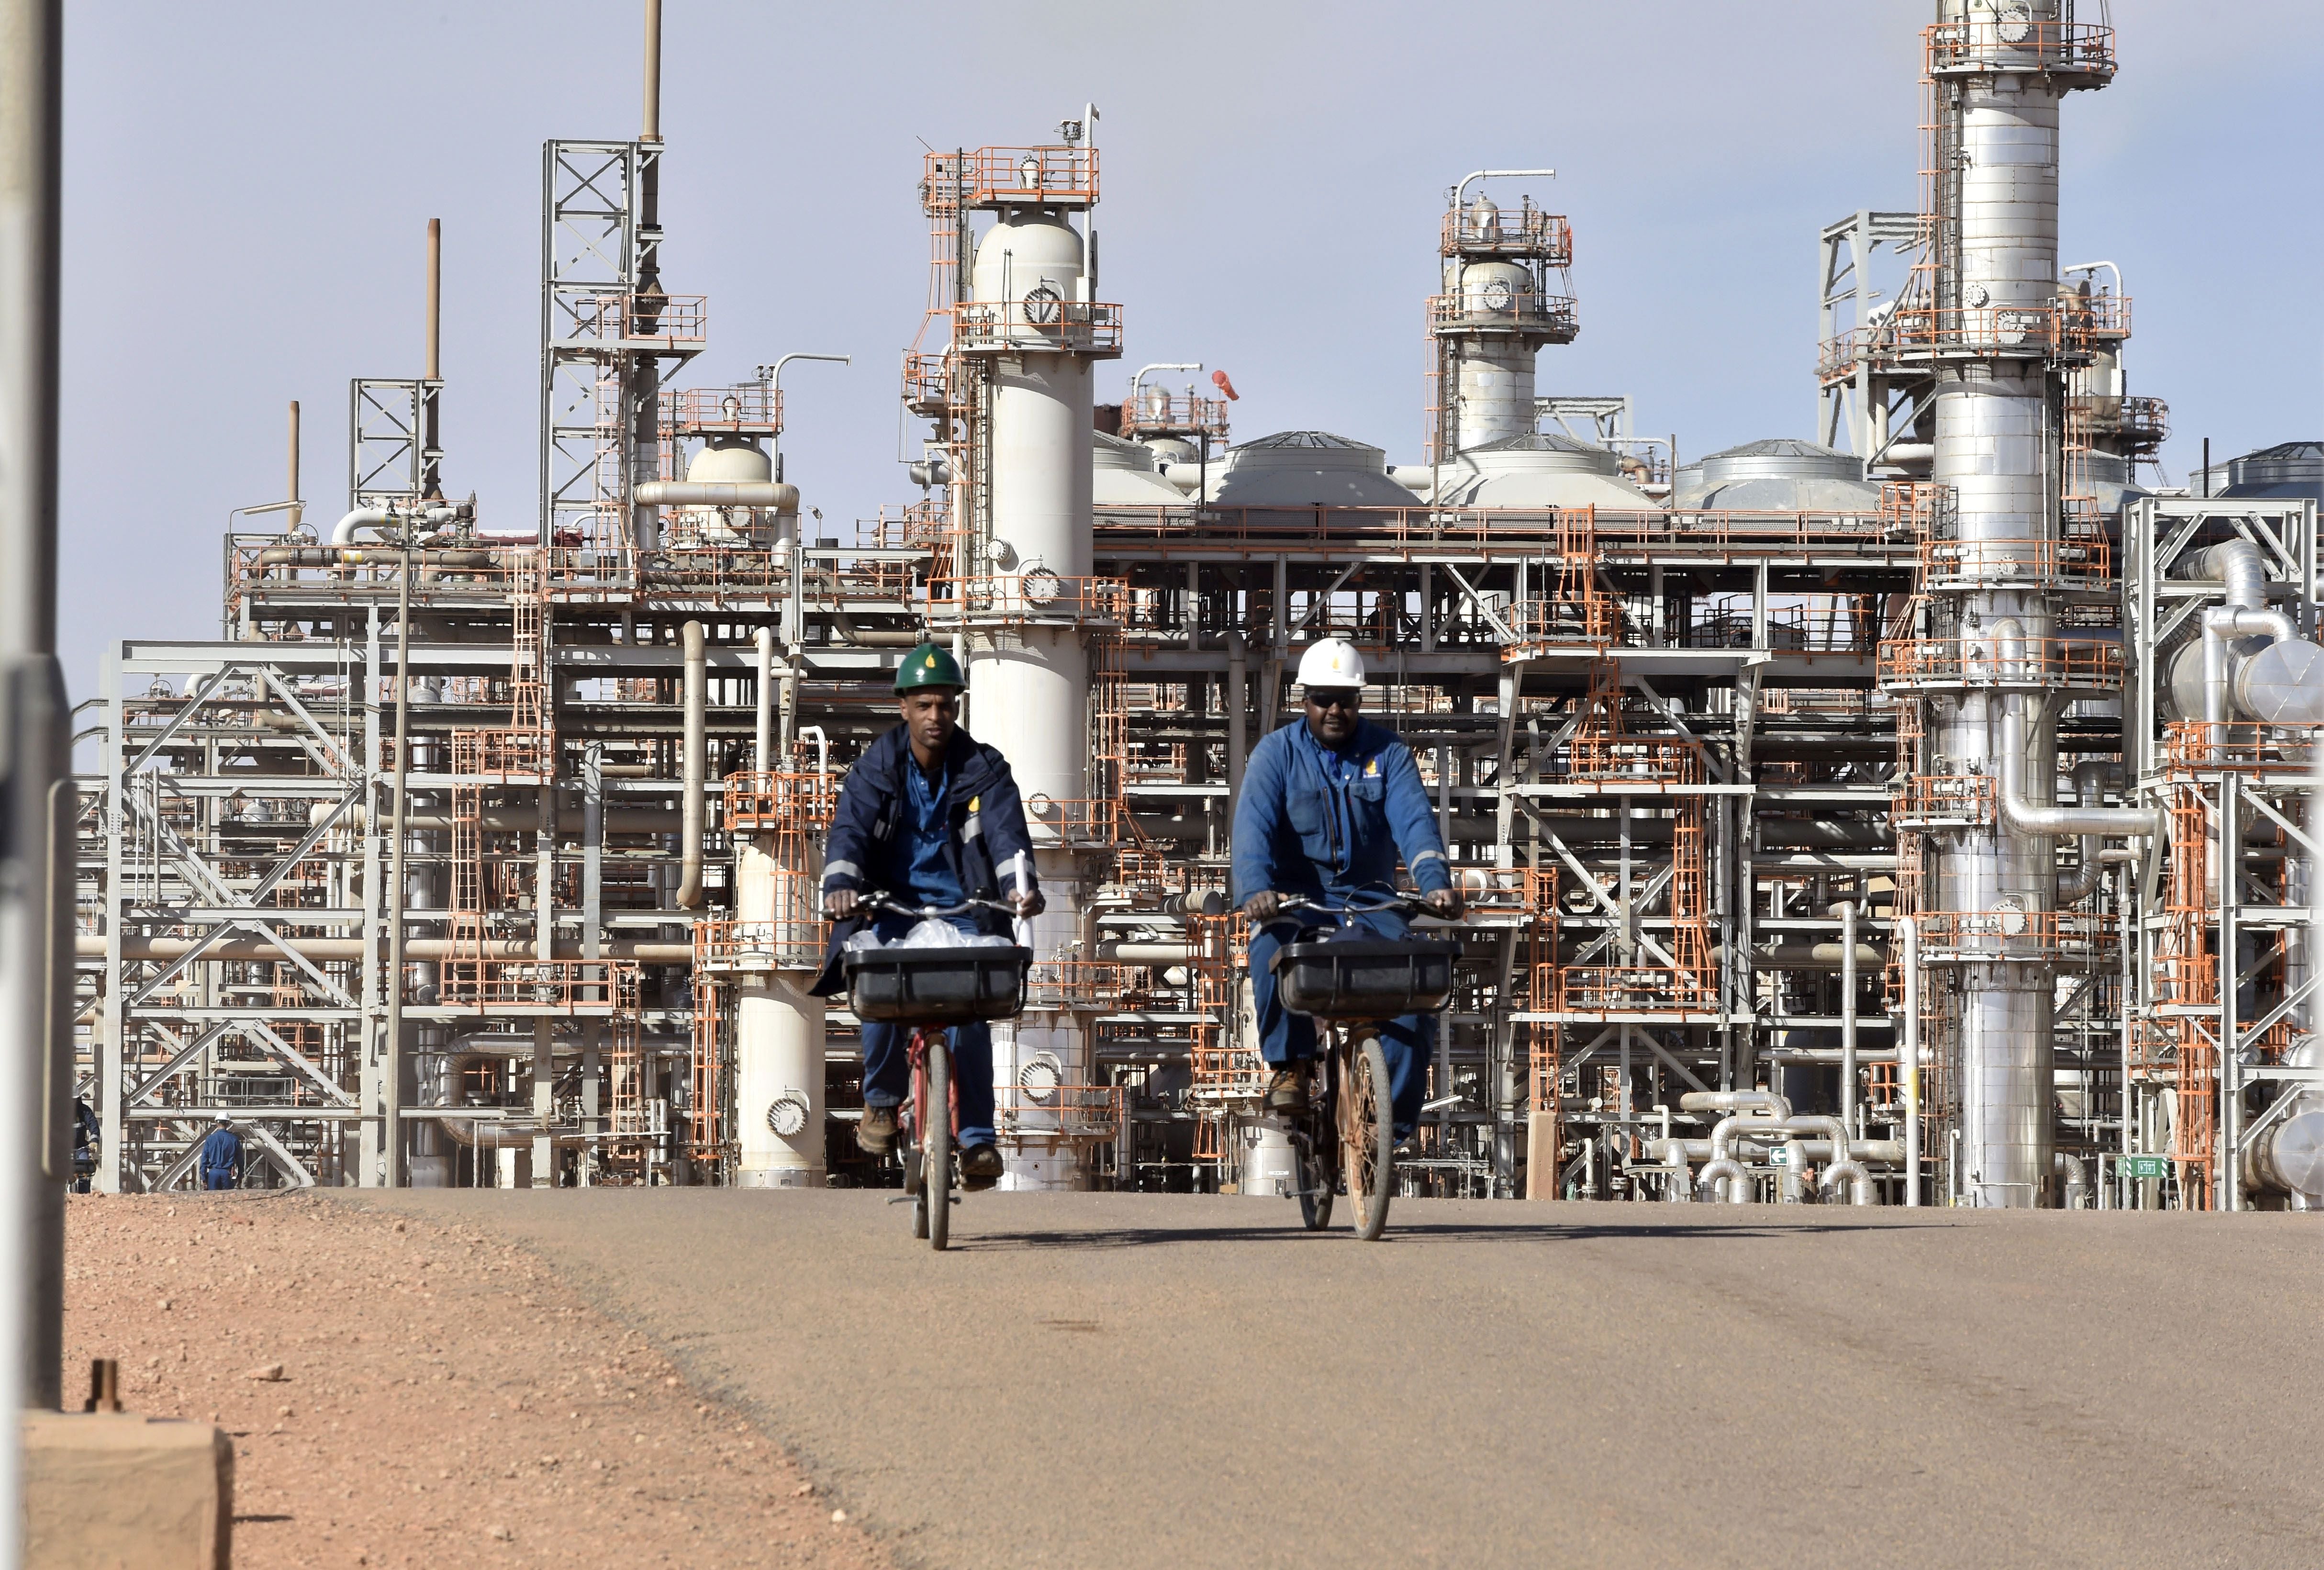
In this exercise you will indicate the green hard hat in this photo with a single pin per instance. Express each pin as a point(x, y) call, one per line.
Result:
point(929, 665)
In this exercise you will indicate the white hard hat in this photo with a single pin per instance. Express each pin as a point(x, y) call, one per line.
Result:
point(1332, 662)
point(224, 1118)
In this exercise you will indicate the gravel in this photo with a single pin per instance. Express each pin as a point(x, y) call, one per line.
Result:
point(412, 1390)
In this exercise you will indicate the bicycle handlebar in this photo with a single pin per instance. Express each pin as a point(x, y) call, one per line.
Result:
point(1407, 904)
point(876, 900)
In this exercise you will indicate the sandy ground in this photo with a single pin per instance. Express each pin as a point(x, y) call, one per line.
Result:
point(441, 1400)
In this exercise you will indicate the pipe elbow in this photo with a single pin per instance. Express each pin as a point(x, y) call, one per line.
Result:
point(1859, 1177)
point(1724, 1169)
point(1734, 1101)
point(1672, 1155)
point(343, 532)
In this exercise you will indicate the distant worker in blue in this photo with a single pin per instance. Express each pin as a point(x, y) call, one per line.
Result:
point(221, 1158)
point(1329, 803)
point(85, 1131)
point(929, 815)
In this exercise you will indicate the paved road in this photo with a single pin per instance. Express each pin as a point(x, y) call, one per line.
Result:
point(1124, 1380)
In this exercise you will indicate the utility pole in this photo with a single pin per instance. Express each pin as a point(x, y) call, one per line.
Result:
point(36, 798)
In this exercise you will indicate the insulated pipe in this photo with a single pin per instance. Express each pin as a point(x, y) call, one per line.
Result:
point(343, 532)
point(1237, 717)
point(697, 767)
point(650, 130)
point(822, 749)
point(865, 638)
point(506, 1134)
point(353, 555)
point(1884, 1152)
point(1461, 191)
point(764, 740)
point(1734, 1101)
point(433, 364)
point(298, 497)
point(1137, 377)
point(1722, 1165)
point(1149, 953)
point(2024, 817)
point(1814, 957)
point(1843, 1164)
point(350, 950)
point(1908, 1056)
point(2089, 791)
point(2078, 1182)
point(2243, 580)
point(1728, 1170)
point(1672, 1154)
point(767, 494)
point(1847, 1019)
point(520, 820)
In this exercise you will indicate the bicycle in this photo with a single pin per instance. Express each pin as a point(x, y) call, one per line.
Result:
point(1348, 1133)
point(930, 990)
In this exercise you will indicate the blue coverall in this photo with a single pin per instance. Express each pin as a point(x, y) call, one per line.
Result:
point(919, 872)
point(1328, 825)
point(931, 842)
point(221, 1159)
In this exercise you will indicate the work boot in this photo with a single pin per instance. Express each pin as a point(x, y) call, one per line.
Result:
point(979, 1167)
point(1287, 1090)
point(877, 1132)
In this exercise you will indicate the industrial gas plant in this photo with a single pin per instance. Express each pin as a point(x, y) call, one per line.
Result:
point(1915, 811)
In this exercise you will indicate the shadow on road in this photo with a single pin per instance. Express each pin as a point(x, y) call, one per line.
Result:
point(1453, 1231)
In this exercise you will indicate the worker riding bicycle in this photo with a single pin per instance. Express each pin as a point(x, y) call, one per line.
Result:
point(929, 816)
point(1329, 803)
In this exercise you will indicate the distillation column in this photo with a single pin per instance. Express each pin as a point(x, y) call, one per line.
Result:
point(1504, 298)
point(2000, 73)
point(1030, 675)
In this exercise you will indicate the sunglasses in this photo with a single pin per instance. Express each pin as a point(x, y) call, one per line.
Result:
point(1346, 698)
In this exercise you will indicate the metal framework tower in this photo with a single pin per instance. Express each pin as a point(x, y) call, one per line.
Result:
point(609, 339)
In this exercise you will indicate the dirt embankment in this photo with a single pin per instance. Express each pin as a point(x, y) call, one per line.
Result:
point(401, 1391)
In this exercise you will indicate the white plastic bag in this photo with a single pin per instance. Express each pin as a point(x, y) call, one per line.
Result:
point(934, 932)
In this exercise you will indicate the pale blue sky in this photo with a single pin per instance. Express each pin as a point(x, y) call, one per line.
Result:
point(248, 189)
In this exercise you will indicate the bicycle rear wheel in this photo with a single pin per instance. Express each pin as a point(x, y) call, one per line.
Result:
point(936, 1147)
point(1368, 1136)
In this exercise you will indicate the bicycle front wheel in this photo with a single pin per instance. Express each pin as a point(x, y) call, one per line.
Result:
point(1317, 1146)
point(1368, 1136)
point(936, 1147)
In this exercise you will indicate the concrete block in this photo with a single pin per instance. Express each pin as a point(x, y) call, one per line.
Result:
point(110, 1490)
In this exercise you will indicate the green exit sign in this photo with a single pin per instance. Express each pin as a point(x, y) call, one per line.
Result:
point(2141, 1166)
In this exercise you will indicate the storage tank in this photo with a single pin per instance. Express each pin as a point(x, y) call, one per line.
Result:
point(2289, 469)
point(1124, 474)
point(725, 458)
point(1540, 470)
point(1305, 468)
point(1779, 475)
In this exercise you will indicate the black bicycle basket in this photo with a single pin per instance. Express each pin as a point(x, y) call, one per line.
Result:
point(1364, 979)
point(935, 986)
